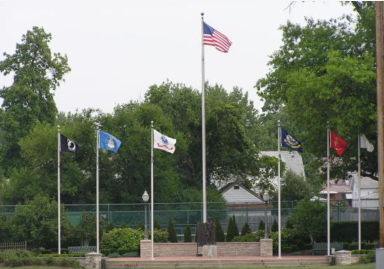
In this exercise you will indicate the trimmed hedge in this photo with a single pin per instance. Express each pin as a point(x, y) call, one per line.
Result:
point(346, 231)
point(14, 258)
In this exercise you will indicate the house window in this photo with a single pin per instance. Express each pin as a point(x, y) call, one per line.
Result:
point(236, 187)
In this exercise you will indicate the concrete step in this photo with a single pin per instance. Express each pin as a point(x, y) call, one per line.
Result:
point(217, 263)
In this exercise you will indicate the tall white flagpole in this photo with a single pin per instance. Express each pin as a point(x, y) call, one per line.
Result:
point(152, 199)
point(97, 188)
point(328, 197)
point(279, 185)
point(58, 191)
point(203, 120)
point(359, 188)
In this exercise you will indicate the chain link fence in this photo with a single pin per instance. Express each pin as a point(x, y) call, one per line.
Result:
point(189, 214)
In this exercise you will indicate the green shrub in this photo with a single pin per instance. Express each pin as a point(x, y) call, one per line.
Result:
point(124, 226)
point(252, 237)
point(246, 229)
point(114, 255)
point(220, 236)
point(160, 236)
point(15, 258)
point(172, 236)
point(110, 226)
point(130, 254)
point(49, 261)
point(290, 241)
point(140, 226)
point(121, 241)
point(187, 235)
point(275, 226)
point(370, 257)
point(62, 255)
point(232, 229)
point(261, 226)
point(156, 226)
point(67, 262)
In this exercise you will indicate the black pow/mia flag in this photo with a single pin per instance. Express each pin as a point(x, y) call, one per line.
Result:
point(68, 145)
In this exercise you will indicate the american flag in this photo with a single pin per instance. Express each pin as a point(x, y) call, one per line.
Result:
point(214, 38)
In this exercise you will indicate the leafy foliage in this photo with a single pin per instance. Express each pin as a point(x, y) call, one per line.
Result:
point(325, 71)
point(36, 223)
point(295, 187)
point(29, 100)
point(232, 229)
point(220, 236)
point(187, 234)
point(172, 236)
point(309, 219)
point(246, 229)
point(251, 237)
point(261, 226)
point(121, 241)
point(275, 226)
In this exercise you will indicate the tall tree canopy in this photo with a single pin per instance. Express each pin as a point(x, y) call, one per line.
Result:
point(325, 71)
point(29, 100)
point(232, 125)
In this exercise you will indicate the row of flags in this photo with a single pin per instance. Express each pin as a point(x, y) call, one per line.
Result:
point(111, 143)
point(337, 142)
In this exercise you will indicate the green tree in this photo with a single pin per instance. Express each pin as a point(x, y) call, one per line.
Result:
point(220, 236)
point(325, 71)
point(172, 236)
point(29, 100)
point(36, 223)
point(246, 229)
point(275, 226)
point(261, 226)
point(85, 230)
point(309, 219)
point(295, 187)
point(232, 229)
point(187, 234)
point(232, 131)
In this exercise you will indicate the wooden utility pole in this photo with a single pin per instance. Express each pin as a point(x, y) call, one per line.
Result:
point(380, 110)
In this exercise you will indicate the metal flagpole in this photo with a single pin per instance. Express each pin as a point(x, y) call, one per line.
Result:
point(328, 198)
point(203, 119)
point(279, 184)
point(152, 199)
point(359, 189)
point(97, 189)
point(58, 191)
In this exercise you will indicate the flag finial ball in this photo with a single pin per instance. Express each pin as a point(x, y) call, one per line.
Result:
point(202, 14)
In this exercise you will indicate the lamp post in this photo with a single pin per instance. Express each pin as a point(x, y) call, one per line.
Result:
point(266, 199)
point(145, 199)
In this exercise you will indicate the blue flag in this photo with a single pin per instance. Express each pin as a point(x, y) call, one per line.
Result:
point(290, 142)
point(108, 142)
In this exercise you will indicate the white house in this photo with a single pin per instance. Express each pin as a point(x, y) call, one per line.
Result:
point(369, 192)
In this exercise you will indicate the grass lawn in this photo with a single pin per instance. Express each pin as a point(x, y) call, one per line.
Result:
point(354, 266)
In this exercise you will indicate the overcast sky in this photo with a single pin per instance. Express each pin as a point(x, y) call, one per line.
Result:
point(117, 49)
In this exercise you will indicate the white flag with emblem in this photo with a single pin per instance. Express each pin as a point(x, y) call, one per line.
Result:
point(163, 142)
point(364, 143)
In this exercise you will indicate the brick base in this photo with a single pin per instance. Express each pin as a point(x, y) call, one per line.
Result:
point(263, 248)
point(266, 247)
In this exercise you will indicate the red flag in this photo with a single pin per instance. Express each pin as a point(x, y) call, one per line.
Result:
point(337, 143)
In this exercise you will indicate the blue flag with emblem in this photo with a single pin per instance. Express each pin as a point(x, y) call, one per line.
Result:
point(108, 142)
point(290, 142)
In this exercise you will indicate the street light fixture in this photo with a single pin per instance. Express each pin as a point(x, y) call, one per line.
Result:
point(266, 199)
point(145, 198)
